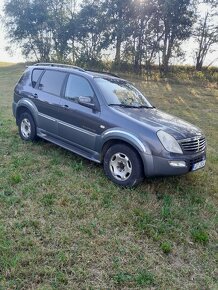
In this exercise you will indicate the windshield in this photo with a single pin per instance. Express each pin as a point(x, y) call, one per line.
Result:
point(119, 92)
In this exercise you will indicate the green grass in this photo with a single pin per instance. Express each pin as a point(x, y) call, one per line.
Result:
point(63, 225)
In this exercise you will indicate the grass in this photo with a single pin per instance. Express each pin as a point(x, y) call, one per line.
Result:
point(63, 225)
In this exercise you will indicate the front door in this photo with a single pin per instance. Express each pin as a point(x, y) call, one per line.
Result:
point(78, 124)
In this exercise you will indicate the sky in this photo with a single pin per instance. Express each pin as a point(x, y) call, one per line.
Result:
point(5, 56)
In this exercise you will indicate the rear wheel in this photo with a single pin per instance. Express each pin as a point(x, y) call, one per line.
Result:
point(123, 165)
point(27, 127)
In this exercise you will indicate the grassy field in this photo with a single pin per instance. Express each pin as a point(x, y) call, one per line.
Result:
point(63, 225)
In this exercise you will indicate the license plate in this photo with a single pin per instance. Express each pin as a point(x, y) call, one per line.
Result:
point(198, 165)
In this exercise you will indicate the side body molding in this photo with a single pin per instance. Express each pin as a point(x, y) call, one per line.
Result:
point(30, 106)
point(120, 134)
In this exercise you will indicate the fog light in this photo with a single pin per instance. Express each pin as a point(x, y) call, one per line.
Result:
point(177, 163)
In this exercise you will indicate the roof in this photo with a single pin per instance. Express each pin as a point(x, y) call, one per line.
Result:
point(72, 67)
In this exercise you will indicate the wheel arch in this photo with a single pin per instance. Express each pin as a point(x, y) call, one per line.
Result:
point(112, 142)
point(114, 136)
point(117, 136)
point(26, 106)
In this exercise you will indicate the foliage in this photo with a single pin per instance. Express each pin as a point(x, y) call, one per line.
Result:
point(200, 235)
point(118, 15)
point(135, 32)
point(92, 34)
point(39, 27)
point(28, 27)
point(143, 43)
point(176, 17)
point(166, 247)
point(206, 33)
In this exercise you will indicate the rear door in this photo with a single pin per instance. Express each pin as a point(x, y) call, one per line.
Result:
point(47, 99)
point(78, 124)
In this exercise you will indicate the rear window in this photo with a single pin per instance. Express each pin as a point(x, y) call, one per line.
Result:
point(52, 82)
point(35, 76)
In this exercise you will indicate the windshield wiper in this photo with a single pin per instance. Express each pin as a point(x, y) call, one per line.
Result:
point(123, 105)
point(131, 106)
point(145, 107)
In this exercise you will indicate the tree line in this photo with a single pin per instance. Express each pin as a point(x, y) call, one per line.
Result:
point(136, 32)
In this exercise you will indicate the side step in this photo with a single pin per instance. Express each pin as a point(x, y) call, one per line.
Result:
point(93, 156)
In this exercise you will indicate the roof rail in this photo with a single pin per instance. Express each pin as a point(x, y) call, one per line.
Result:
point(103, 72)
point(59, 65)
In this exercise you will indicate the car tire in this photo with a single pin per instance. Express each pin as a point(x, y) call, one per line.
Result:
point(27, 127)
point(123, 165)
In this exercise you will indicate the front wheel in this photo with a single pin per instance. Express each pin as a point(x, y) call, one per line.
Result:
point(123, 165)
point(27, 127)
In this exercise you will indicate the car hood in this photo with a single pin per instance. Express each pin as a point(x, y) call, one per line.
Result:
point(157, 120)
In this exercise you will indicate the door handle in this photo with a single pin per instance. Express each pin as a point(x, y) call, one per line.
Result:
point(66, 106)
point(35, 96)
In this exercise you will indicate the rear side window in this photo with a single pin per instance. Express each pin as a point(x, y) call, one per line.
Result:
point(52, 82)
point(24, 79)
point(35, 76)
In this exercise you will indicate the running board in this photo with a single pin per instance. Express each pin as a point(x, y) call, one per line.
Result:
point(70, 147)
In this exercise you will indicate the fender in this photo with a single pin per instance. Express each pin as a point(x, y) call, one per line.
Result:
point(129, 137)
point(30, 106)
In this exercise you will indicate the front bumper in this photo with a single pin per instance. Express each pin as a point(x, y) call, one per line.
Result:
point(160, 166)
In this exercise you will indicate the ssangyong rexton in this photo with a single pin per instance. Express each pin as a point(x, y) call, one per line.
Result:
point(105, 119)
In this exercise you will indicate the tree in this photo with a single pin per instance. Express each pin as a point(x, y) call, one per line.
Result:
point(39, 27)
point(206, 33)
point(142, 44)
point(73, 28)
point(27, 26)
point(92, 33)
point(59, 17)
point(176, 20)
point(135, 30)
point(118, 15)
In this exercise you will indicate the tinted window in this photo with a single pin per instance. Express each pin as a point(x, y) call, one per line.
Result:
point(78, 87)
point(35, 76)
point(52, 82)
point(25, 77)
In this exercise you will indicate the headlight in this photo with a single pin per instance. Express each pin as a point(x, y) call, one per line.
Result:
point(169, 142)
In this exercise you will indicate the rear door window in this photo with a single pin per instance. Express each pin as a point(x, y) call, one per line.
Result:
point(52, 82)
point(35, 76)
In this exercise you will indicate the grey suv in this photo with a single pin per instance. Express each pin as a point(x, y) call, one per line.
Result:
point(105, 119)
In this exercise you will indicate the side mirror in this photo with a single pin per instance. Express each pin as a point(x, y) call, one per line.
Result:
point(86, 102)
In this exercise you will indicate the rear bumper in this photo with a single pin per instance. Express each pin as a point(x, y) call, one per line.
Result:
point(159, 166)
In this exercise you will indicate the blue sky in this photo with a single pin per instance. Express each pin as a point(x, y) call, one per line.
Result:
point(188, 46)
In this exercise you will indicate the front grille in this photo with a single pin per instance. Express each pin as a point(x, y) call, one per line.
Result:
point(193, 145)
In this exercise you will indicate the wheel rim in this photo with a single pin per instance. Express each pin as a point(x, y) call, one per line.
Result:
point(25, 128)
point(120, 166)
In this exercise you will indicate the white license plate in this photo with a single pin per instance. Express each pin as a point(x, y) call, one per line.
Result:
point(198, 165)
